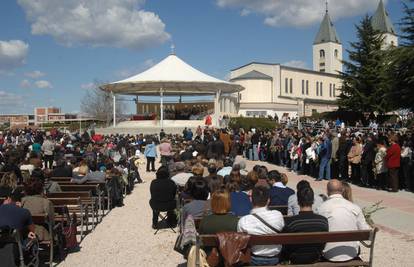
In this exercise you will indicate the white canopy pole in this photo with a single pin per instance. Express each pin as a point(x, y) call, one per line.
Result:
point(162, 108)
point(217, 108)
point(114, 109)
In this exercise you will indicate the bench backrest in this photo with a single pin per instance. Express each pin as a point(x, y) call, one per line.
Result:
point(66, 201)
point(40, 219)
point(84, 187)
point(81, 194)
point(298, 238)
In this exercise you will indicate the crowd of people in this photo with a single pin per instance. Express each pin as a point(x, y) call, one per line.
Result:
point(212, 185)
point(29, 158)
point(219, 191)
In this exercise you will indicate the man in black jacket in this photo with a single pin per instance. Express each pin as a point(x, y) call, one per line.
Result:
point(163, 192)
point(368, 156)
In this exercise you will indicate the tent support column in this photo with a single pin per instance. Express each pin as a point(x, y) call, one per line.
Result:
point(217, 108)
point(162, 108)
point(114, 109)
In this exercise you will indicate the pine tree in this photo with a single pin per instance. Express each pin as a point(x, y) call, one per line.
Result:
point(365, 79)
point(407, 25)
point(401, 70)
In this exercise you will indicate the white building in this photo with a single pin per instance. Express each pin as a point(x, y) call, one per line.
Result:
point(274, 89)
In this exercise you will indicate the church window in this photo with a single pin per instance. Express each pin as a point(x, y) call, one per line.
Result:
point(321, 88)
point(303, 87)
point(336, 53)
point(317, 88)
point(291, 86)
point(330, 90)
point(333, 89)
point(392, 43)
point(286, 85)
point(307, 87)
point(322, 53)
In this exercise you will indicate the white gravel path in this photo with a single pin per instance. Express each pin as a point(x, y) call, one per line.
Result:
point(125, 238)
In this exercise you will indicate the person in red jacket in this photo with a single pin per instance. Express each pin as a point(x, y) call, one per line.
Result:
point(393, 163)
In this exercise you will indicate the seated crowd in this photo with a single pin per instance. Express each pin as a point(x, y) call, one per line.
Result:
point(250, 203)
point(31, 163)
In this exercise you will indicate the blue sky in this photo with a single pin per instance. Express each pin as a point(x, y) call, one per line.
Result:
point(51, 54)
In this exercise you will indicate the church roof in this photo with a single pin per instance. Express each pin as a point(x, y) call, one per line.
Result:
point(253, 75)
point(327, 32)
point(381, 21)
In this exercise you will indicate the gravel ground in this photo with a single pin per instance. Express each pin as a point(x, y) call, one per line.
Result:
point(125, 238)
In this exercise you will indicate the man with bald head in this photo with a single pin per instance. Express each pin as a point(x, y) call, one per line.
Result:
point(342, 215)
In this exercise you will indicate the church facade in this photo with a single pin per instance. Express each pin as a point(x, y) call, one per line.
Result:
point(274, 89)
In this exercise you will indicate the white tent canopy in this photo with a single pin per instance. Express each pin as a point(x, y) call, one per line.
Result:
point(174, 77)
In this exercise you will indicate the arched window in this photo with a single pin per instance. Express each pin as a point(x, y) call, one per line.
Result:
point(291, 86)
point(322, 53)
point(336, 53)
point(392, 43)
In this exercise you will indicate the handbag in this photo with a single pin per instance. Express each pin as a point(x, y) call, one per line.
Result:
point(70, 234)
point(177, 245)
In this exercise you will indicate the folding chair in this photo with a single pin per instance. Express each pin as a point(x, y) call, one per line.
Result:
point(163, 215)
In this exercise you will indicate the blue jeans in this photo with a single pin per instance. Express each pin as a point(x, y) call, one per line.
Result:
point(262, 261)
point(255, 155)
point(325, 168)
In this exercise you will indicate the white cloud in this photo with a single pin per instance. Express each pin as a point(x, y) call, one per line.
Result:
point(245, 12)
point(43, 84)
point(35, 74)
point(115, 23)
point(25, 83)
point(88, 86)
point(299, 13)
point(12, 55)
point(296, 64)
point(8, 100)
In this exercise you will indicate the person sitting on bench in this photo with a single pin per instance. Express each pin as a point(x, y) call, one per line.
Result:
point(262, 221)
point(305, 221)
point(221, 220)
point(342, 215)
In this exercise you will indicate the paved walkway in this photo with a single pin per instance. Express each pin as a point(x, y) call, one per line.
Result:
point(125, 236)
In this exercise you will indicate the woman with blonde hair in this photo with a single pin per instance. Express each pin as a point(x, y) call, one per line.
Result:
point(221, 220)
point(347, 191)
point(7, 184)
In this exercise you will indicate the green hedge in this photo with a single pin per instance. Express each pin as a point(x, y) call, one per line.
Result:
point(248, 123)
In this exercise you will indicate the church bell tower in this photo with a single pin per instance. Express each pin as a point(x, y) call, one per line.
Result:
point(327, 48)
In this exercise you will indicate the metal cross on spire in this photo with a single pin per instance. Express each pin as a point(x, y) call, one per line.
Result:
point(172, 49)
point(326, 3)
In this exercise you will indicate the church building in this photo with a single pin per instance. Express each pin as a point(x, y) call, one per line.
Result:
point(274, 89)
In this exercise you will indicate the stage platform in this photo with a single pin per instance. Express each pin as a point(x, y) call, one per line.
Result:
point(151, 127)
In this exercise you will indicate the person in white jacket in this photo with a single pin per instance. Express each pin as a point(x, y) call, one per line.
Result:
point(342, 215)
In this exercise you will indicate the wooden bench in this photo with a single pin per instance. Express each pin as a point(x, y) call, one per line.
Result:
point(307, 238)
point(75, 206)
point(97, 190)
point(86, 198)
point(43, 220)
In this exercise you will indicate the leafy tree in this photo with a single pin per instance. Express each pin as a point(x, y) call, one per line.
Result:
point(365, 79)
point(401, 68)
